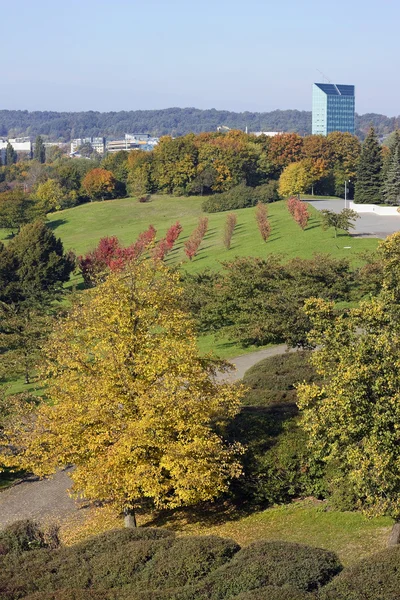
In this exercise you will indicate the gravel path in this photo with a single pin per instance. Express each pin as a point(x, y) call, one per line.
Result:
point(48, 500)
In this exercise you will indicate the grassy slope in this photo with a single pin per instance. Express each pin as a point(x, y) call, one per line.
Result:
point(80, 228)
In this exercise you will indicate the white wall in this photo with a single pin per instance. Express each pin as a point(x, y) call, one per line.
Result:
point(375, 208)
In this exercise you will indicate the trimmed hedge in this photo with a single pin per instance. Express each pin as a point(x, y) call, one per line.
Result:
point(110, 560)
point(241, 196)
point(375, 578)
point(272, 380)
point(24, 536)
point(275, 593)
point(265, 564)
point(187, 561)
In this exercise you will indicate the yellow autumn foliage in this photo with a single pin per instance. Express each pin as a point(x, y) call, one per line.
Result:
point(131, 403)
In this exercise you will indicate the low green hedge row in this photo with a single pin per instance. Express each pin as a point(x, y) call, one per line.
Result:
point(153, 564)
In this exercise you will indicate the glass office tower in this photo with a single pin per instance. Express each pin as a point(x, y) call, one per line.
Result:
point(332, 108)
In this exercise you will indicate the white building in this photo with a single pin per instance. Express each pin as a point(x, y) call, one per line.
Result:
point(267, 133)
point(98, 144)
point(20, 145)
point(133, 141)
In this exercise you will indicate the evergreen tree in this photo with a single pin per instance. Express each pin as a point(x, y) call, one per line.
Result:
point(393, 142)
point(369, 171)
point(11, 155)
point(391, 185)
point(42, 265)
point(40, 150)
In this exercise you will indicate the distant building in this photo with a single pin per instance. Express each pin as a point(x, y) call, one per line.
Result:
point(268, 133)
point(333, 108)
point(20, 145)
point(132, 141)
point(98, 144)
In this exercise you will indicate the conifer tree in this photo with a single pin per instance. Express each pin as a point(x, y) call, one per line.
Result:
point(11, 155)
point(369, 171)
point(391, 185)
point(40, 150)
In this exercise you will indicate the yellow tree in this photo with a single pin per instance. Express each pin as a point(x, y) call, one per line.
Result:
point(131, 403)
point(49, 196)
point(296, 179)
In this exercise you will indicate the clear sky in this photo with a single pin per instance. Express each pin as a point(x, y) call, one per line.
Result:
point(255, 55)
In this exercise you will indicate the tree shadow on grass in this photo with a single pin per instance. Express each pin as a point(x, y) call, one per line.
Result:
point(57, 223)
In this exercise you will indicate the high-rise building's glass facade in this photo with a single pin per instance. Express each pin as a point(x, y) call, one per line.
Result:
point(332, 108)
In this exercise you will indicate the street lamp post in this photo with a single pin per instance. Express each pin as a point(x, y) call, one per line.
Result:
point(345, 192)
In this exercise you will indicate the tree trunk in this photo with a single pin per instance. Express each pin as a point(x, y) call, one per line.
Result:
point(130, 518)
point(394, 537)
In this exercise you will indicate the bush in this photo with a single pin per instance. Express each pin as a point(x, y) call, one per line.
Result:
point(241, 196)
point(274, 593)
point(23, 536)
point(109, 560)
point(272, 380)
point(270, 564)
point(277, 464)
point(187, 561)
point(375, 578)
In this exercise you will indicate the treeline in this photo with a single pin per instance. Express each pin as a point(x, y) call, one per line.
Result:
point(235, 169)
point(64, 126)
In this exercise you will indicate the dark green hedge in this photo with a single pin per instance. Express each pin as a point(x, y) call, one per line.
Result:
point(265, 564)
point(375, 578)
point(275, 593)
point(241, 196)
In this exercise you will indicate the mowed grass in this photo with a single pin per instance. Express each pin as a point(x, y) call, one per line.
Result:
point(80, 229)
point(351, 535)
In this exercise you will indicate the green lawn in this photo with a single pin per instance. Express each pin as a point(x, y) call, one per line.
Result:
point(351, 535)
point(80, 228)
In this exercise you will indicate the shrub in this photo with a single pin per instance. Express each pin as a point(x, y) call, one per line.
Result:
point(187, 561)
point(241, 196)
point(272, 564)
point(109, 560)
point(375, 578)
point(23, 536)
point(274, 593)
point(273, 380)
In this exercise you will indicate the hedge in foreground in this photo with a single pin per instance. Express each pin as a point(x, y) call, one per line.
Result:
point(375, 578)
point(263, 564)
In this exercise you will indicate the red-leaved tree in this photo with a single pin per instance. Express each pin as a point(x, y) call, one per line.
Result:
point(172, 234)
point(109, 254)
point(193, 243)
point(230, 225)
point(263, 223)
point(299, 211)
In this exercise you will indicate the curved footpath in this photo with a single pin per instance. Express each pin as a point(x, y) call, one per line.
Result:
point(48, 499)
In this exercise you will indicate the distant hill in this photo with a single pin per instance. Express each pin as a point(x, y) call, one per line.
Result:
point(63, 126)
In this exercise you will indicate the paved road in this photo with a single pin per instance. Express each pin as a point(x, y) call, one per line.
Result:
point(48, 500)
point(368, 225)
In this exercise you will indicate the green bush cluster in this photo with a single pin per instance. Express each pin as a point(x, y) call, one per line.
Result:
point(242, 196)
point(277, 464)
point(375, 578)
point(152, 564)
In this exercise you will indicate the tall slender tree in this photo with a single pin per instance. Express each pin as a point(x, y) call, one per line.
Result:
point(391, 184)
point(369, 171)
point(11, 155)
point(39, 153)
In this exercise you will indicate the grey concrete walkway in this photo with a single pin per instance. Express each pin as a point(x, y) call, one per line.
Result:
point(368, 225)
point(48, 500)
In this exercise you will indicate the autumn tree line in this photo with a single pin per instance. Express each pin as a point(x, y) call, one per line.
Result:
point(232, 170)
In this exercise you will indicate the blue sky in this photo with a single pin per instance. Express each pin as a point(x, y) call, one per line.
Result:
point(251, 55)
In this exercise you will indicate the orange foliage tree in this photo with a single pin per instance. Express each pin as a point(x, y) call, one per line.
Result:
point(99, 184)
